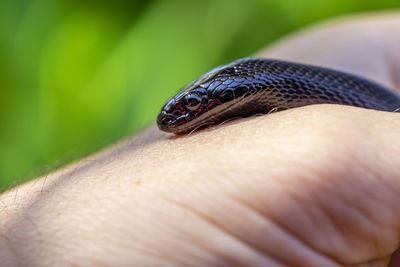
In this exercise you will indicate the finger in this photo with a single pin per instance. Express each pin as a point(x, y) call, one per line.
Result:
point(366, 45)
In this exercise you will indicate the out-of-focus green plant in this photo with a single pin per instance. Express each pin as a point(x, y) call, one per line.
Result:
point(78, 75)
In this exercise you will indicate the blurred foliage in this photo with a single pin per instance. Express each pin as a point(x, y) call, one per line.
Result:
point(76, 76)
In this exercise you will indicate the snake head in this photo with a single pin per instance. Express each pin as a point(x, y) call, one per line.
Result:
point(178, 113)
point(189, 109)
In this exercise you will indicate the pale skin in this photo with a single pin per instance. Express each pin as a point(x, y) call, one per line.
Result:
point(312, 186)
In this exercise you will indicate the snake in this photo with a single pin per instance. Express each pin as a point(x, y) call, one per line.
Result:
point(252, 86)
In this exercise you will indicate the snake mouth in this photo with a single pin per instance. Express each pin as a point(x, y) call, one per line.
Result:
point(177, 125)
point(173, 123)
point(186, 123)
point(180, 124)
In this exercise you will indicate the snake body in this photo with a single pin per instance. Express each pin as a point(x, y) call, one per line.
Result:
point(252, 86)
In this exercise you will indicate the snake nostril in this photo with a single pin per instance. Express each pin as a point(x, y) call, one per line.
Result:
point(166, 120)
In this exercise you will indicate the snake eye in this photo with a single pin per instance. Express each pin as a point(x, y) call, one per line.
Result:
point(192, 102)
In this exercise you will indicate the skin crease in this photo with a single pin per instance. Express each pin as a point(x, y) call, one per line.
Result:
point(312, 186)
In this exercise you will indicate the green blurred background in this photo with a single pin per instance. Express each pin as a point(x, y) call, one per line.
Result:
point(76, 76)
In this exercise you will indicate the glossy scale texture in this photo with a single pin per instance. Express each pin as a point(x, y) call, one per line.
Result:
point(257, 85)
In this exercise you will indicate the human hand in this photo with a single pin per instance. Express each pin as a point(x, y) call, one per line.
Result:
point(312, 186)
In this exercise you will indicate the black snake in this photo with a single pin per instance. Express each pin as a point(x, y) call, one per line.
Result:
point(252, 86)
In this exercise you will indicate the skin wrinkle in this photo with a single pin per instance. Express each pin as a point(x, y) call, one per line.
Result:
point(389, 189)
point(170, 224)
point(212, 226)
point(227, 232)
point(365, 217)
point(333, 219)
point(184, 191)
point(329, 221)
point(371, 194)
point(193, 258)
point(302, 239)
point(180, 229)
point(374, 234)
point(361, 208)
point(342, 198)
point(163, 259)
point(302, 242)
point(343, 227)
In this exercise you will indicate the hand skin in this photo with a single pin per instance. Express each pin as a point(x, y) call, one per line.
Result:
point(312, 186)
